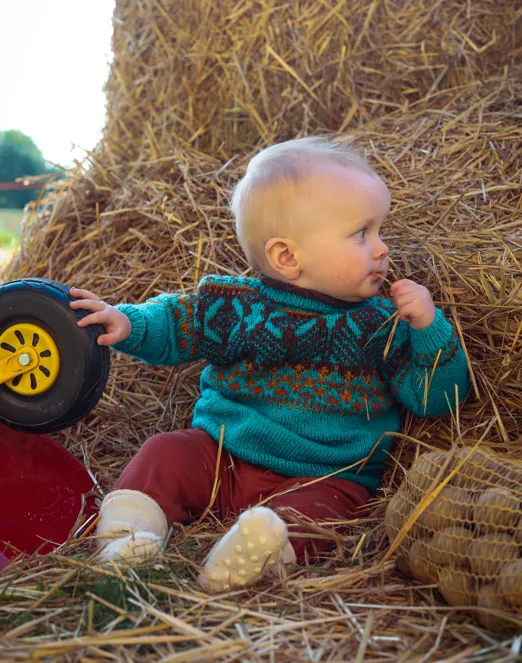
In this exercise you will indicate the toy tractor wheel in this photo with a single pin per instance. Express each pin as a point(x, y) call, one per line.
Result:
point(52, 372)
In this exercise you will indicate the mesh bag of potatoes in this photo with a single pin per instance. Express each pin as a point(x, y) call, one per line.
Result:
point(468, 539)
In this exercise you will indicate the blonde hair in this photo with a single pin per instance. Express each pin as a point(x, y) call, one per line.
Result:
point(259, 203)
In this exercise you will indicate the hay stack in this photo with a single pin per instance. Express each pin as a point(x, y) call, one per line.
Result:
point(431, 92)
point(225, 76)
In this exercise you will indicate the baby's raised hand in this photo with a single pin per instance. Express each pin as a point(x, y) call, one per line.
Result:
point(116, 323)
point(414, 303)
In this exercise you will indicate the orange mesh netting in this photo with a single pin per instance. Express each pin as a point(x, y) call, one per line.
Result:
point(455, 522)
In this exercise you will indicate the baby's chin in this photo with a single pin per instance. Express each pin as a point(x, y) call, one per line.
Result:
point(354, 298)
point(366, 289)
point(363, 294)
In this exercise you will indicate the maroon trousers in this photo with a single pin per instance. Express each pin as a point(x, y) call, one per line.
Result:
point(178, 471)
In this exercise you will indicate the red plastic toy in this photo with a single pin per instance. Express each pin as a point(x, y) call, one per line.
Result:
point(41, 488)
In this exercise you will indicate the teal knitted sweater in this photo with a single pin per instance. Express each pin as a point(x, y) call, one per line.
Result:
point(299, 379)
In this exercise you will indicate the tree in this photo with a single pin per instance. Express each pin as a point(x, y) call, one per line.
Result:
point(19, 157)
point(23, 142)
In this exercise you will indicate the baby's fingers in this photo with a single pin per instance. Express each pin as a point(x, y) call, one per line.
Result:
point(88, 304)
point(109, 339)
point(401, 283)
point(98, 318)
point(406, 298)
point(83, 294)
point(403, 290)
point(406, 312)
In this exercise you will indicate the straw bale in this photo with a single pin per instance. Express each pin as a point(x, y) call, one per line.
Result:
point(431, 92)
point(226, 76)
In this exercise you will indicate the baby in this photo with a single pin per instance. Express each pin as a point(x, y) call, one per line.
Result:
point(298, 387)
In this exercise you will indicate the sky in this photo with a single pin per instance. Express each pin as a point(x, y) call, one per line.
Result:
point(54, 61)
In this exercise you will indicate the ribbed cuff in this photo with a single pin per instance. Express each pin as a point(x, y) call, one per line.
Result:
point(432, 338)
point(138, 329)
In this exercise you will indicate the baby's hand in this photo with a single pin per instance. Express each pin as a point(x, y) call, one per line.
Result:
point(116, 323)
point(414, 303)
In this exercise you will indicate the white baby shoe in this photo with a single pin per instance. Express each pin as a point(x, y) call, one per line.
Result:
point(132, 527)
point(255, 545)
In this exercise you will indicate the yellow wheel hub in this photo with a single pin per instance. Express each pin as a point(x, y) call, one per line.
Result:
point(30, 352)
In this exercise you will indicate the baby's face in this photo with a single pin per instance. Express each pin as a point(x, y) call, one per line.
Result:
point(337, 219)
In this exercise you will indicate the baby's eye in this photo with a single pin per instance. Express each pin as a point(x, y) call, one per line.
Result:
point(360, 233)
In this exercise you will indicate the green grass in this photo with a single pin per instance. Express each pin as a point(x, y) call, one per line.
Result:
point(8, 240)
point(10, 220)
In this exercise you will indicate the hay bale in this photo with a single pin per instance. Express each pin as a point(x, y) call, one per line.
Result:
point(430, 92)
point(226, 76)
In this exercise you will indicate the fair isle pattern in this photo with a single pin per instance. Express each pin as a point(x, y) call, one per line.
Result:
point(174, 315)
point(301, 387)
point(233, 325)
point(329, 360)
point(320, 362)
point(183, 317)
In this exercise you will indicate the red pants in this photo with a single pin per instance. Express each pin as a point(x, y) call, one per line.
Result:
point(178, 470)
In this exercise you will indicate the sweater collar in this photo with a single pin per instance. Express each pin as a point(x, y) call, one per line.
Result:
point(286, 293)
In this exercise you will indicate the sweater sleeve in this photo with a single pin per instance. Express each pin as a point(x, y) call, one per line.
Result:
point(427, 365)
point(162, 330)
point(211, 324)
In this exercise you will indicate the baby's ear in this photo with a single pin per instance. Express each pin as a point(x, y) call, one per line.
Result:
point(280, 254)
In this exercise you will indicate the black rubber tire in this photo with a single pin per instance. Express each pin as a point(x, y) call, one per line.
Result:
point(84, 365)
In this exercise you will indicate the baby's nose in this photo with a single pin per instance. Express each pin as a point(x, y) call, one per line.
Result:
point(381, 250)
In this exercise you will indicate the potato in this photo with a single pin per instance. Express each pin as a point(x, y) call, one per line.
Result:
point(477, 470)
point(496, 508)
point(449, 509)
point(489, 599)
point(397, 513)
point(513, 475)
point(482, 469)
point(457, 587)
point(491, 551)
point(517, 529)
point(403, 564)
point(424, 470)
point(420, 564)
point(509, 583)
point(451, 546)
